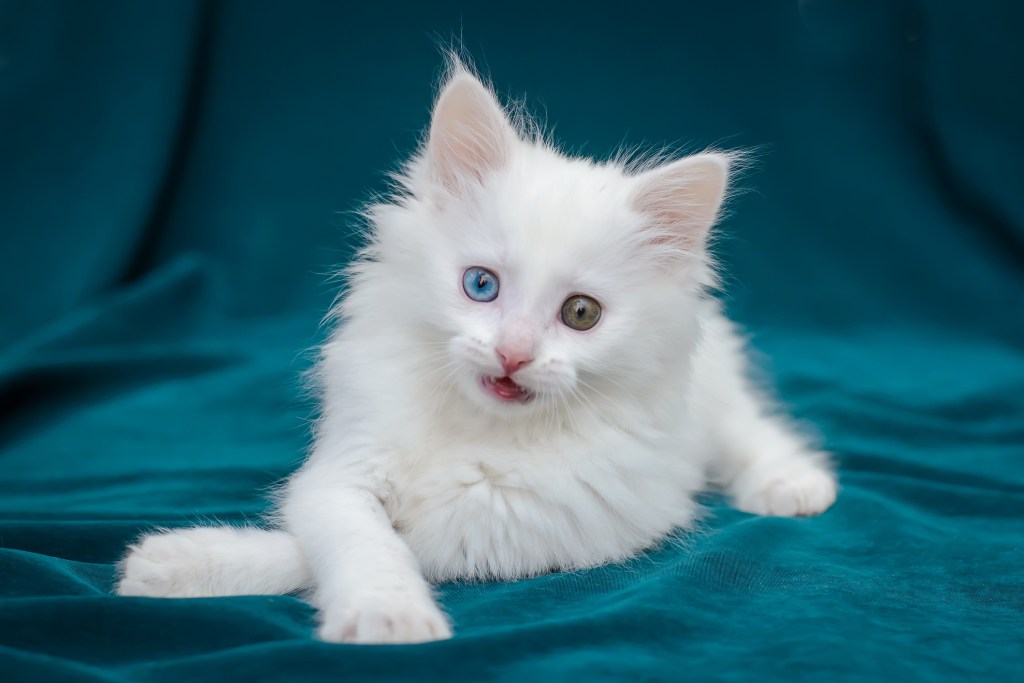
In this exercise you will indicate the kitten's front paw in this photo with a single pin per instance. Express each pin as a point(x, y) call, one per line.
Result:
point(809, 490)
point(163, 565)
point(385, 618)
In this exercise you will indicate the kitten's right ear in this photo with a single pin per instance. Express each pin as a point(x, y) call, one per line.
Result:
point(469, 132)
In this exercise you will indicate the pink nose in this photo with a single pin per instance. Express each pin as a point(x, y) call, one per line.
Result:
point(512, 360)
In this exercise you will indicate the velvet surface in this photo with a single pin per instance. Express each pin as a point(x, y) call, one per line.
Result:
point(174, 182)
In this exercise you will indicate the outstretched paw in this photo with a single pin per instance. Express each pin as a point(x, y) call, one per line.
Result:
point(806, 491)
point(385, 618)
point(164, 565)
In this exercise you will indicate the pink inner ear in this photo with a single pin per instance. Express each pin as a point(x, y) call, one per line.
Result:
point(469, 134)
point(683, 198)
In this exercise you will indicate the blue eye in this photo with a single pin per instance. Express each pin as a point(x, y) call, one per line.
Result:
point(480, 284)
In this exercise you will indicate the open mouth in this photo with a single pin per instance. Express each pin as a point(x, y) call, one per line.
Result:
point(504, 389)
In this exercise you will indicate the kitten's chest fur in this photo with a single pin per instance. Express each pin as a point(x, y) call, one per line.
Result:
point(491, 510)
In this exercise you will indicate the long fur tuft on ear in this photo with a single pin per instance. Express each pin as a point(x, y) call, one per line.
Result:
point(470, 134)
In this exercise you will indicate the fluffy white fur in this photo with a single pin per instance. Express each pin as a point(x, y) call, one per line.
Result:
point(418, 474)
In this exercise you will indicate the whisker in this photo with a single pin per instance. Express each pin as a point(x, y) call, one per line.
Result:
point(439, 368)
point(608, 378)
point(615, 404)
point(569, 413)
point(580, 396)
point(453, 368)
point(552, 421)
point(444, 399)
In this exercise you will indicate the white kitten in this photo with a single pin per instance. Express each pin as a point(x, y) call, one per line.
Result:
point(529, 377)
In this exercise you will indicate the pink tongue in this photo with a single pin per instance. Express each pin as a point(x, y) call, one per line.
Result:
point(505, 387)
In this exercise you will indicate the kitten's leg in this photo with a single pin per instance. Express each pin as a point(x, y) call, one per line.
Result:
point(759, 459)
point(369, 585)
point(213, 561)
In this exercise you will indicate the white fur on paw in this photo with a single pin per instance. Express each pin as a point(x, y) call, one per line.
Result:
point(377, 618)
point(808, 491)
point(166, 565)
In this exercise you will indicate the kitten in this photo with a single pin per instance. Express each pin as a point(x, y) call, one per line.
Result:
point(529, 377)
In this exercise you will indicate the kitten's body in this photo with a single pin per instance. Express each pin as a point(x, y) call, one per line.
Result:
point(419, 471)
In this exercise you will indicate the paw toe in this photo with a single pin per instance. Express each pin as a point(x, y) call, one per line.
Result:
point(806, 493)
point(385, 621)
point(161, 566)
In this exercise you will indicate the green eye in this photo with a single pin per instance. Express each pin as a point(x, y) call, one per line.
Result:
point(580, 312)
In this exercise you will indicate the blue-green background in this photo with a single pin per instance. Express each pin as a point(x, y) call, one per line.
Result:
point(175, 179)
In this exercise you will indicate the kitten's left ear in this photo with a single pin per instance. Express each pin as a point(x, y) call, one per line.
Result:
point(469, 132)
point(684, 197)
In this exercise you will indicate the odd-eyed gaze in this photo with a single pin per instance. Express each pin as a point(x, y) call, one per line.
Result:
point(480, 284)
point(581, 312)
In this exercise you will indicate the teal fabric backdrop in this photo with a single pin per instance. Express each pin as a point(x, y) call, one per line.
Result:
point(175, 185)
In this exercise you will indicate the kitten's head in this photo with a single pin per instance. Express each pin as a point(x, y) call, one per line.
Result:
point(534, 282)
